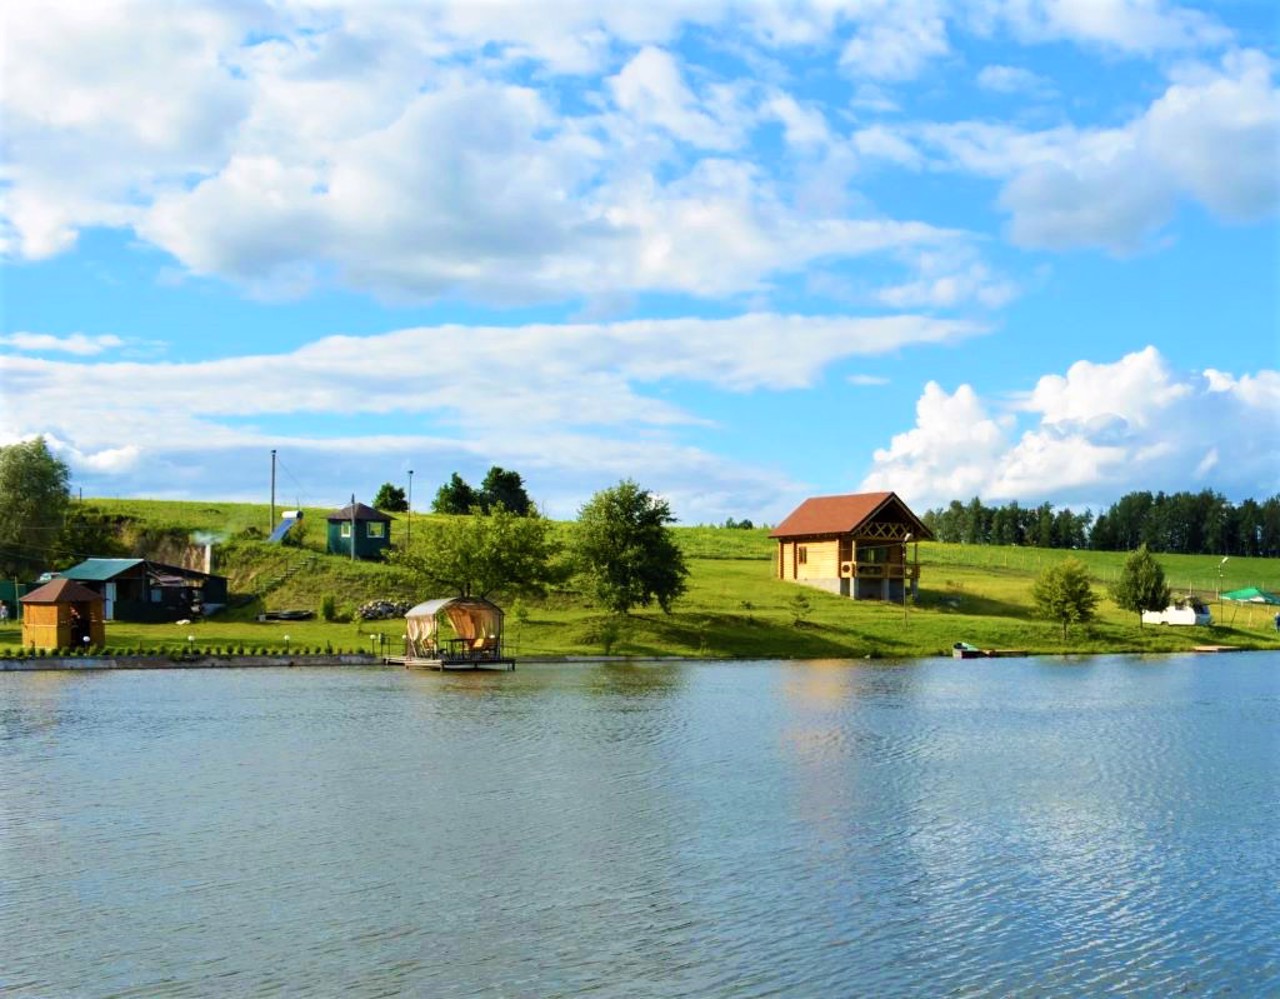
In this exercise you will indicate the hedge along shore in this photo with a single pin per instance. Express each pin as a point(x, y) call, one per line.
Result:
point(90, 663)
point(86, 663)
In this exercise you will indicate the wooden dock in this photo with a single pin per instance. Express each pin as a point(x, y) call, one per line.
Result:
point(452, 664)
point(1216, 648)
point(962, 650)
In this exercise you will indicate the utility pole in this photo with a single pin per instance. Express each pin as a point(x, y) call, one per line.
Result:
point(272, 526)
point(409, 525)
point(353, 527)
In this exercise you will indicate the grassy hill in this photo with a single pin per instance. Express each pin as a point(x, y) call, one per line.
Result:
point(734, 607)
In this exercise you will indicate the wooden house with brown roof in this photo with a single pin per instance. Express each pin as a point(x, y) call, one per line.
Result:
point(62, 614)
point(863, 545)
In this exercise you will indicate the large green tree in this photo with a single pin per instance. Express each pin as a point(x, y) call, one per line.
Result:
point(625, 552)
point(482, 554)
point(1141, 585)
point(34, 495)
point(391, 499)
point(1062, 593)
point(507, 488)
point(455, 496)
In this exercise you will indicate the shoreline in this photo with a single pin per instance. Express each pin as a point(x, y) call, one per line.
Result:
point(88, 664)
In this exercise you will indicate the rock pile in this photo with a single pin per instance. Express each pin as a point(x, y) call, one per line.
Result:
point(381, 610)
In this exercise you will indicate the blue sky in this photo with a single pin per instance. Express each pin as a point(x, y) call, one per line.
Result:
point(741, 253)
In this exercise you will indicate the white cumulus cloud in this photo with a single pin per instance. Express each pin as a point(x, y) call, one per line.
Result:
point(1099, 431)
point(81, 344)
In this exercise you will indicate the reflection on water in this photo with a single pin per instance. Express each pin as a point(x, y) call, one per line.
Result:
point(1020, 827)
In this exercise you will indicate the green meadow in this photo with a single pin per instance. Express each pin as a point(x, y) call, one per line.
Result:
point(734, 607)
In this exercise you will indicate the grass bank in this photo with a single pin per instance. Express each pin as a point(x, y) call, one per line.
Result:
point(734, 607)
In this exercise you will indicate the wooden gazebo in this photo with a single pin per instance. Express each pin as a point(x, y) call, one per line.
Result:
point(477, 635)
point(62, 614)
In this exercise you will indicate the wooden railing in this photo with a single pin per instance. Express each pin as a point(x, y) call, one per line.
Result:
point(883, 570)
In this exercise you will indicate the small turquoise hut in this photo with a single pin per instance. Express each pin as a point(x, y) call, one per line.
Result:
point(359, 526)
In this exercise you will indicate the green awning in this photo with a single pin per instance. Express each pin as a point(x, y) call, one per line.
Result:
point(1252, 595)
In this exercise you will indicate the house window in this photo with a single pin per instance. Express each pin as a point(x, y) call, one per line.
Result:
point(346, 529)
point(375, 529)
point(802, 554)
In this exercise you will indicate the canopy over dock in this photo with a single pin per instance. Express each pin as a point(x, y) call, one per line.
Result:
point(475, 641)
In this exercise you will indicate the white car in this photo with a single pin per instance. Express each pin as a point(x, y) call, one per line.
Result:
point(1188, 611)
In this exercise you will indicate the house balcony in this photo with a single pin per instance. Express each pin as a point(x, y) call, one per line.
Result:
point(879, 570)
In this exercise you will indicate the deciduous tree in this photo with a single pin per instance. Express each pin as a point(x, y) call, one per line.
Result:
point(624, 551)
point(483, 554)
point(1062, 593)
point(34, 495)
point(1141, 585)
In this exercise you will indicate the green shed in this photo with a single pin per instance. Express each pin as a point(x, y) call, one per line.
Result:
point(369, 530)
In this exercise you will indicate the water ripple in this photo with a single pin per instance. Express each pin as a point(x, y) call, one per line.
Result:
point(718, 830)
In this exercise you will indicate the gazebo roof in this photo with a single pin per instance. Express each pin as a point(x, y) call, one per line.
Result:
point(430, 608)
point(62, 591)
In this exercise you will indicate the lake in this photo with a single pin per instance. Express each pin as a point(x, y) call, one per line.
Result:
point(946, 828)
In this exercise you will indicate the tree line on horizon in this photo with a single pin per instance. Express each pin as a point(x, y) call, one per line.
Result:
point(1203, 523)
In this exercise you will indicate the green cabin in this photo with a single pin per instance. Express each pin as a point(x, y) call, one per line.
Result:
point(363, 527)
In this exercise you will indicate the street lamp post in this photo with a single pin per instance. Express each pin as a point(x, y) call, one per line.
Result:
point(906, 538)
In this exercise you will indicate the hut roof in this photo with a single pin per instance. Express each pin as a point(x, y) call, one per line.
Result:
point(362, 512)
point(62, 591)
point(820, 515)
point(97, 570)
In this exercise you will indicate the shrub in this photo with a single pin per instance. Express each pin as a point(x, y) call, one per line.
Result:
point(800, 607)
point(606, 632)
point(328, 607)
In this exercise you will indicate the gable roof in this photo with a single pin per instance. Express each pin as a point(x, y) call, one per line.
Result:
point(820, 515)
point(100, 570)
point(362, 513)
point(97, 570)
point(62, 591)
